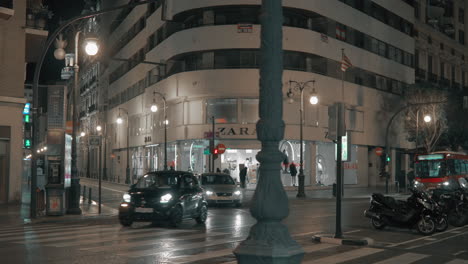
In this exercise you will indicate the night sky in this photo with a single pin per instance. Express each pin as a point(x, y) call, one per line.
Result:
point(62, 10)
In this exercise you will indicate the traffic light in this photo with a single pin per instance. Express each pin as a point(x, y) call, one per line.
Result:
point(387, 158)
point(27, 143)
point(27, 118)
point(215, 153)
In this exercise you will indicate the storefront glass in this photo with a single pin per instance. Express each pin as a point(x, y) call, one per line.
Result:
point(326, 165)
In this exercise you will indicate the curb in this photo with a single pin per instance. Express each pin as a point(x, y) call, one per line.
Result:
point(343, 241)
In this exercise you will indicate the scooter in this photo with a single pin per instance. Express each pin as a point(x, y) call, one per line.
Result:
point(417, 212)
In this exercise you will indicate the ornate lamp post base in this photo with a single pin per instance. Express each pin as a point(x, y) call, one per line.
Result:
point(269, 242)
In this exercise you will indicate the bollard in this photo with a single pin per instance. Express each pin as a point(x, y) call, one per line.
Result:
point(84, 193)
point(334, 190)
point(89, 197)
point(397, 187)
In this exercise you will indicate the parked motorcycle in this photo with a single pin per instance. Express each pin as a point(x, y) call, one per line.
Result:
point(454, 202)
point(418, 212)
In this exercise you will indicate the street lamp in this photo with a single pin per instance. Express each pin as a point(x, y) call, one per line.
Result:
point(74, 196)
point(91, 48)
point(154, 109)
point(300, 86)
point(427, 118)
point(120, 121)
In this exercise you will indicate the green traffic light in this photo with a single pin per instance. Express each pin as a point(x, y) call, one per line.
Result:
point(27, 143)
point(27, 118)
point(388, 158)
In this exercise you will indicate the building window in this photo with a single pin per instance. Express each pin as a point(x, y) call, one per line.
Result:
point(442, 70)
point(429, 64)
point(223, 110)
point(6, 4)
point(249, 111)
point(461, 16)
point(461, 37)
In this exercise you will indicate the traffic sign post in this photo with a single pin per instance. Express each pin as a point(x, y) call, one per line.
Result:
point(221, 148)
point(379, 151)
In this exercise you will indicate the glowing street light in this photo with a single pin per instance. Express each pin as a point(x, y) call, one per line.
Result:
point(92, 46)
point(427, 118)
point(82, 134)
point(98, 128)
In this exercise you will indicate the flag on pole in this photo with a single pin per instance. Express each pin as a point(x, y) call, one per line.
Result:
point(345, 63)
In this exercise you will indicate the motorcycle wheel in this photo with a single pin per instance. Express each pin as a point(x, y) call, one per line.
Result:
point(378, 224)
point(457, 219)
point(426, 227)
point(442, 224)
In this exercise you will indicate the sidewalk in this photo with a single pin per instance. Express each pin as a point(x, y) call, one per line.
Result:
point(18, 214)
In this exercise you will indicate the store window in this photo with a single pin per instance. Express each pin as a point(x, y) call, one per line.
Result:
point(223, 110)
point(249, 111)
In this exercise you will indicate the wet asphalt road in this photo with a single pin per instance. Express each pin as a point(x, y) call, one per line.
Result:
point(103, 240)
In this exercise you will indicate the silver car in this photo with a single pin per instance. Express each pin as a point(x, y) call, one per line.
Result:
point(220, 188)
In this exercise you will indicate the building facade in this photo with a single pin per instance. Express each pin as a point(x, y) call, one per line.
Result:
point(441, 51)
point(21, 32)
point(209, 56)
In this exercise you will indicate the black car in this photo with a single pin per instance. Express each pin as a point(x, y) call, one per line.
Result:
point(164, 196)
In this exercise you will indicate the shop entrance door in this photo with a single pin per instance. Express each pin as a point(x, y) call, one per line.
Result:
point(4, 171)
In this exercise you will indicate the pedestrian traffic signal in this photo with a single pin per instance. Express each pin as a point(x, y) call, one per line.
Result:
point(27, 144)
point(216, 151)
point(388, 158)
point(27, 118)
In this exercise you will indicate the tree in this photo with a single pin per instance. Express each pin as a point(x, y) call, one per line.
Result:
point(427, 101)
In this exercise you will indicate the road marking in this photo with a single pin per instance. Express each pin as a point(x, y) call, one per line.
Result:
point(352, 231)
point(127, 234)
point(156, 251)
point(64, 236)
point(436, 241)
point(342, 257)
point(39, 229)
point(226, 252)
point(159, 241)
point(405, 258)
point(459, 252)
point(420, 238)
point(42, 234)
point(457, 261)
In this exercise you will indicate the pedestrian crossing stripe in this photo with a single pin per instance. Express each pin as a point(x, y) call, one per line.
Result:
point(193, 245)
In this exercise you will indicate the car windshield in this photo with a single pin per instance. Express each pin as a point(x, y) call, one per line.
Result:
point(217, 179)
point(157, 180)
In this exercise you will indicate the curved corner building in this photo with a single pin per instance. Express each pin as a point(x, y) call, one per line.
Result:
point(209, 58)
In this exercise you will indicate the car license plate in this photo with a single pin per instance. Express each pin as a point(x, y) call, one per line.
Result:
point(143, 210)
point(224, 198)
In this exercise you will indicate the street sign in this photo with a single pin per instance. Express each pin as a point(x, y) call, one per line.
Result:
point(94, 140)
point(345, 148)
point(206, 151)
point(379, 151)
point(221, 148)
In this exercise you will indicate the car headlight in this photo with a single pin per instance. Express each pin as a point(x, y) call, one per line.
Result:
point(209, 193)
point(127, 197)
point(446, 183)
point(237, 193)
point(417, 184)
point(166, 198)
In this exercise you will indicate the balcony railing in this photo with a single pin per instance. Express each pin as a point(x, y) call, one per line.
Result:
point(420, 74)
point(444, 83)
point(432, 78)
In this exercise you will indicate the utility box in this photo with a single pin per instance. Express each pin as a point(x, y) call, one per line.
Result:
point(55, 199)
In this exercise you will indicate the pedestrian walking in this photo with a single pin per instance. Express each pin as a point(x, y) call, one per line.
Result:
point(226, 171)
point(285, 161)
point(293, 171)
point(242, 175)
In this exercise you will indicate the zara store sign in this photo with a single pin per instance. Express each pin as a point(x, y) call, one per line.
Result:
point(224, 131)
